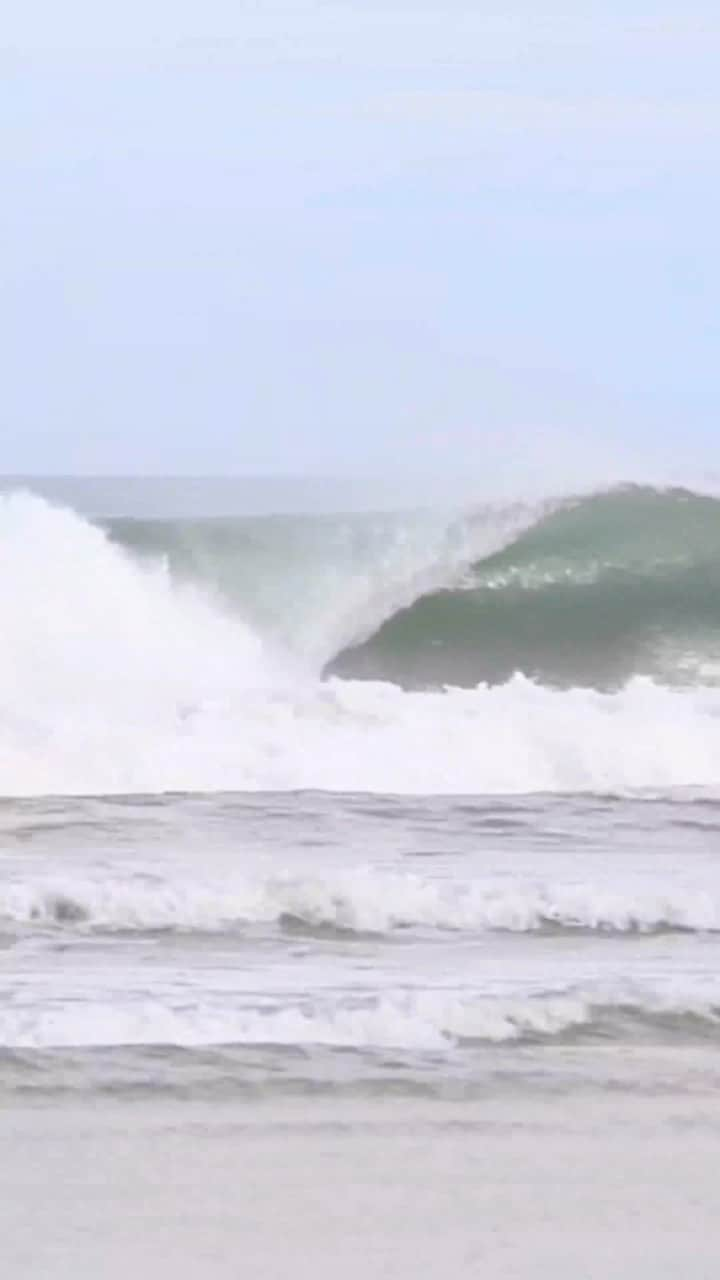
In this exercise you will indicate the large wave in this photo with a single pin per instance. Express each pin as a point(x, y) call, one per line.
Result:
point(315, 585)
point(208, 655)
point(593, 592)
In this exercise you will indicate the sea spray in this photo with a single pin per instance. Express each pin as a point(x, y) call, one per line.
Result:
point(120, 673)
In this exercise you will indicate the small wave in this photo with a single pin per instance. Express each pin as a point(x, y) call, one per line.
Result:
point(434, 1021)
point(358, 903)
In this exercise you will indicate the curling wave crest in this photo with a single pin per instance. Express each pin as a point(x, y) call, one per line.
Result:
point(123, 670)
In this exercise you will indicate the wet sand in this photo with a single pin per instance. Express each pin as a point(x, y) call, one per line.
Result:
point(593, 1188)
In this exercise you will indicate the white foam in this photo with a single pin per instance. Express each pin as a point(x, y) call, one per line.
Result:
point(114, 679)
point(364, 901)
point(431, 1020)
point(422, 1020)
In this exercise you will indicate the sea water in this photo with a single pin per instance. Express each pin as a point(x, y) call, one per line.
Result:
point(359, 893)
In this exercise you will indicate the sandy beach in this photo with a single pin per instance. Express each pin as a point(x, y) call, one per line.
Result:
point(597, 1188)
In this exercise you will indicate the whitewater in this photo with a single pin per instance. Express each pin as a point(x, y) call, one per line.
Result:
point(359, 894)
point(562, 646)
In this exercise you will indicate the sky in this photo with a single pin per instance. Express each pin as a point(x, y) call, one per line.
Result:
point(462, 239)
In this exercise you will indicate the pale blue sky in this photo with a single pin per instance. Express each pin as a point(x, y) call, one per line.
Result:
point(331, 237)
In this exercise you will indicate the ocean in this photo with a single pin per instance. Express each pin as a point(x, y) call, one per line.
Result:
point(360, 903)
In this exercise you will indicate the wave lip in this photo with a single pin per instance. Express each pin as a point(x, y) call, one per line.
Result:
point(360, 902)
point(314, 586)
point(595, 591)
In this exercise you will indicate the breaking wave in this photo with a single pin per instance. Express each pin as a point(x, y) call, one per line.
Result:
point(594, 592)
point(559, 647)
point(361, 902)
point(431, 1021)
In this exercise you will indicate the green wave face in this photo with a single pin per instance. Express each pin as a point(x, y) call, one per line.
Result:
point(601, 589)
